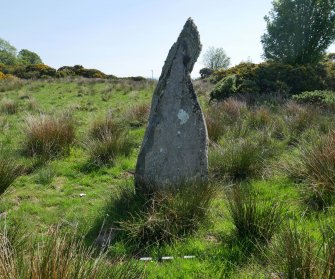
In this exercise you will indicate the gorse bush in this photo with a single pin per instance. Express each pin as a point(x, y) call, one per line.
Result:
point(224, 88)
point(266, 78)
point(162, 216)
point(325, 99)
point(254, 219)
point(107, 139)
point(48, 136)
point(59, 256)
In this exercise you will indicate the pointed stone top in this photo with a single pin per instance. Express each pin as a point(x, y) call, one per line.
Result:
point(190, 39)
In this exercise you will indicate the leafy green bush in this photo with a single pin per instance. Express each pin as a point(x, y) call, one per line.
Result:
point(79, 70)
point(205, 72)
point(265, 78)
point(318, 97)
point(225, 88)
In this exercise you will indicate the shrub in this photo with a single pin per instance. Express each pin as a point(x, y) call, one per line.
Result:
point(205, 72)
point(108, 139)
point(34, 71)
point(9, 106)
point(254, 219)
point(225, 88)
point(9, 171)
point(59, 256)
point(267, 77)
point(324, 99)
point(48, 136)
point(163, 216)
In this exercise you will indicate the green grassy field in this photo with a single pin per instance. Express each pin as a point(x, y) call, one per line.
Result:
point(266, 149)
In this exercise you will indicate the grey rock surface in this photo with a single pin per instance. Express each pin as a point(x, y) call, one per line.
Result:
point(175, 145)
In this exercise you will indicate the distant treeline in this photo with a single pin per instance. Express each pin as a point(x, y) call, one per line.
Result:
point(40, 71)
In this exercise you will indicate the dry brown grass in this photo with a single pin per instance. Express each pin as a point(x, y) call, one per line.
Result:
point(9, 106)
point(48, 136)
point(137, 115)
point(219, 115)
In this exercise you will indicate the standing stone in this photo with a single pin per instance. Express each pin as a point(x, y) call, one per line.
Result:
point(175, 145)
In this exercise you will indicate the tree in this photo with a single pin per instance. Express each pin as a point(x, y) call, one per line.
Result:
point(299, 31)
point(215, 58)
point(7, 53)
point(28, 57)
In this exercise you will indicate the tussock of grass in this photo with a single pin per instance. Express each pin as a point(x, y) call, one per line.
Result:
point(164, 216)
point(220, 115)
point(9, 171)
point(108, 138)
point(58, 256)
point(9, 106)
point(138, 114)
point(254, 219)
point(296, 254)
point(241, 158)
point(48, 136)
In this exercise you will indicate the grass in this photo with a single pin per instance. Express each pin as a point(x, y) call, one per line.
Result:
point(9, 106)
point(254, 219)
point(251, 140)
point(9, 171)
point(58, 256)
point(162, 217)
point(107, 139)
point(297, 254)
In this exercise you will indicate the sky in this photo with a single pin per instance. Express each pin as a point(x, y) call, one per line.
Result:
point(131, 37)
